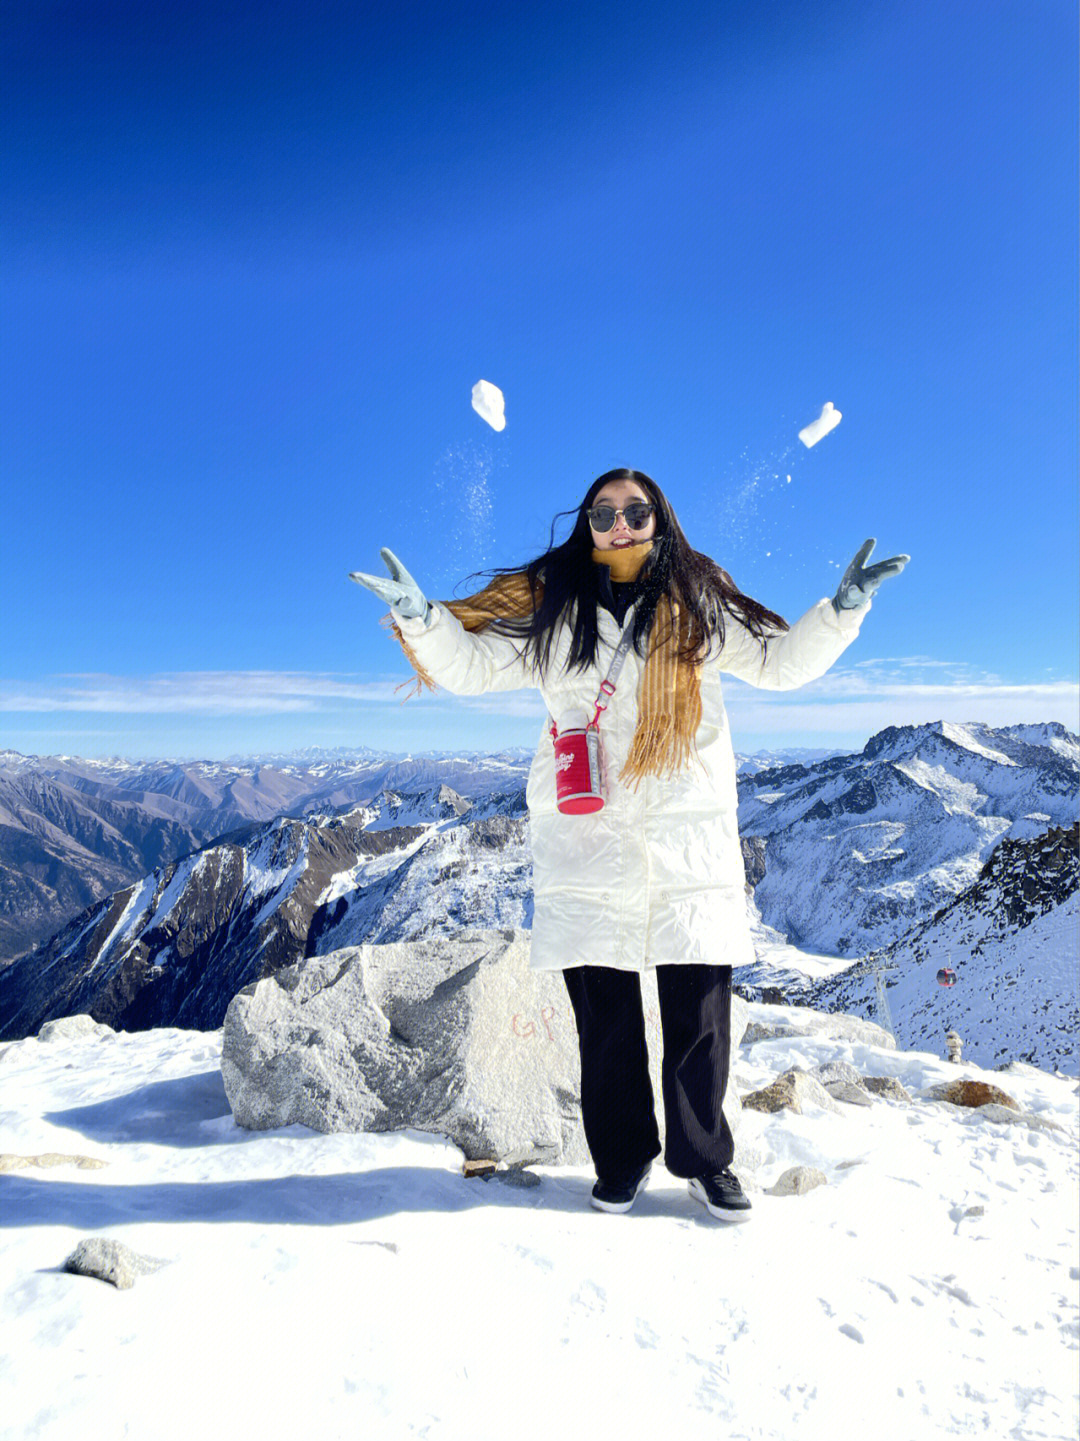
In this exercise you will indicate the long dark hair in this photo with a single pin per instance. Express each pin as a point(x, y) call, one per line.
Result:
point(567, 582)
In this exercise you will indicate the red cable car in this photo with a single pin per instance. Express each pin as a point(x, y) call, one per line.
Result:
point(946, 976)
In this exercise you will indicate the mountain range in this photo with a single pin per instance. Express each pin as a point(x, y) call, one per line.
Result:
point(932, 840)
point(175, 947)
point(73, 831)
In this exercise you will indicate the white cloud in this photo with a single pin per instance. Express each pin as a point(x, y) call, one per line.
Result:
point(846, 702)
point(861, 702)
point(206, 692)
point(523, 703)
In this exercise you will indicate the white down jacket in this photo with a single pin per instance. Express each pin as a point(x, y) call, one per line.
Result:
point(656, 877)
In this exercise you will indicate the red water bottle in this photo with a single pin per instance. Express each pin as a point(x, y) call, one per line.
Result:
point(578, 788)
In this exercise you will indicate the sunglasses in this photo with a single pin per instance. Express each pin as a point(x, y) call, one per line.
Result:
point(603, 517)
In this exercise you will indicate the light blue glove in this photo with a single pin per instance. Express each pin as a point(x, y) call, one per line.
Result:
point(860, 580)
point(400, 592)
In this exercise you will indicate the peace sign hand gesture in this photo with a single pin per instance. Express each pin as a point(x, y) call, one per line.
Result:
point(400, 592)
point(861, 581)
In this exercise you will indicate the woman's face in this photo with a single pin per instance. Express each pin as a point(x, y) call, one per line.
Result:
point(621, 493)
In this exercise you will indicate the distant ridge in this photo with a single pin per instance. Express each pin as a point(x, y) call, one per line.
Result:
point(859, 848)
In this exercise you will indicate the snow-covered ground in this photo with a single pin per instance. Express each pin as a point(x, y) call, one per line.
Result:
point(359, 1286)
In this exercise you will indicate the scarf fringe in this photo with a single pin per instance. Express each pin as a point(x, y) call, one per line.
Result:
point(421, 681)
point(662, 744)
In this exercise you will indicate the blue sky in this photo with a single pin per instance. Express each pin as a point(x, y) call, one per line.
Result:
point(256, 256)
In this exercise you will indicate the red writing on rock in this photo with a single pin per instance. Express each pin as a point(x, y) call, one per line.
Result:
point(527, 1028)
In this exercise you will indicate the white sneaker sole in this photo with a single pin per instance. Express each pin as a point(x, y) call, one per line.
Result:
point(618, 1208)
point(697, 1190)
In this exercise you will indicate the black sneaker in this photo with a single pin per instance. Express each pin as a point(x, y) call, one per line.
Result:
point(722, 1196)
point(621, 1195)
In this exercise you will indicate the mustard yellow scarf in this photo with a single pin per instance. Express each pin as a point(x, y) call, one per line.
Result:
point(669, 697)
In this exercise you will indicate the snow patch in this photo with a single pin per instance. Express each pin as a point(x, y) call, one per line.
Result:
point(489, 403)
point(962, 736)
point(827, 421)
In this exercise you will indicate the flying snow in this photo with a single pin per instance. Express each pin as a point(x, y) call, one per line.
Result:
point(489, 403)
point(461, 506)
point(810, 434)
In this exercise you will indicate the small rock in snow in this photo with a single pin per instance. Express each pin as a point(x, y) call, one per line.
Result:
point(75, 1028)
point(791, 1091)
point(849, 1092)
point(994, 1112)
point(797, 1180)
point(757, 1031)
point(484, 1167)
point(10, 1162)
point(517, 1176)
point(828, 420)
point(848, 1330)
point(489, 403)
point(110, 1261)
point(887, 1086)
point(837, 1071)
point(966, 1092)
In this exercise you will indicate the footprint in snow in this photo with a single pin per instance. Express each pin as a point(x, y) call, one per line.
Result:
point(545, 1263)
point(888, 1291)
point(590, 1297)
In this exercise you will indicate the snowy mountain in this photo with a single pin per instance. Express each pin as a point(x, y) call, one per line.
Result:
point(1011, 939)
point(73, 831)
point(860, 848)
point(62, 848)
point(176, 946)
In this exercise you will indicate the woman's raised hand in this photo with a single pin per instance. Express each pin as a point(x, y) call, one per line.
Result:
point(400, 592)
point(861, 580)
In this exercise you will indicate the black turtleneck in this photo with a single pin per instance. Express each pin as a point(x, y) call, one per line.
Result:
point(617, 596)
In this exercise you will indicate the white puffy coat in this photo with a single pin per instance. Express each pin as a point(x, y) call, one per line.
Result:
point(656, 877)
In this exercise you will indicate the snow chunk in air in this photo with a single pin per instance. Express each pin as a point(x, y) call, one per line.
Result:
point(489, 404)
point(828, 420)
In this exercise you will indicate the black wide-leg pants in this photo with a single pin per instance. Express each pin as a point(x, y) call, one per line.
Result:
point(617, 1104)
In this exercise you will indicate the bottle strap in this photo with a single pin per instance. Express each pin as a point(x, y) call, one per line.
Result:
point(607, 685)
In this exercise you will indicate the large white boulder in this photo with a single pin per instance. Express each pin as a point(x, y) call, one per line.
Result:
point(453, 1034)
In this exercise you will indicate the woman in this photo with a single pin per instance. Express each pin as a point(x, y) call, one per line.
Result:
point(655, 877)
